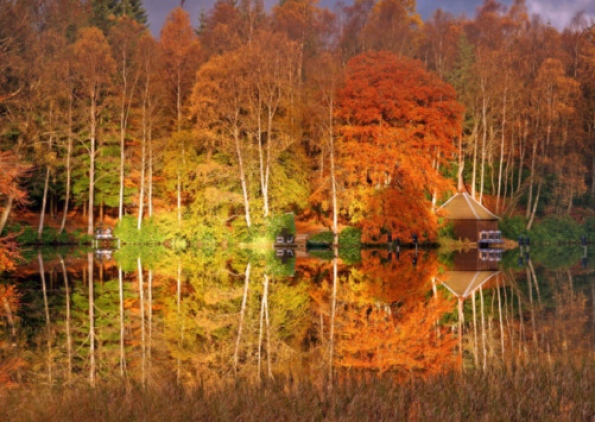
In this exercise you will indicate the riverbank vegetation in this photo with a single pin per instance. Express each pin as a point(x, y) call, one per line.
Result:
point(536, 391)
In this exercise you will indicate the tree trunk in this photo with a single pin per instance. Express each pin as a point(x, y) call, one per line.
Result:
point(179, 197)
point(67, 321)
point(141, 195)
point(236, 354)
point(179, 322)
point(68, 168)
point(261, 321)
point(91, 321)
point(500, 318)
point(461, 167)
point(474, 170)
point(267, 171)
point(522, 148)
point(531, 179)
point(333, 316)
point(333, 175)
point(150, 320)
point(261, 160)
point(150, 174)
point(47, 178)
point(475, 350)
point(6, 212)
point(179, 129)
point(502, 142)
point(46, 306)
point(243, 182)
point(143, 343)
point(122, 326)
point(483, 331)
point(532, 217)
point(122, 157)
point(92, 134)
point(268, 327)
point(44, 201)
point(484, 137)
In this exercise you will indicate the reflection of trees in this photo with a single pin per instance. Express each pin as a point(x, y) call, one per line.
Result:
point(10, 362)
point(236, 319)
point(386, 318)
point(532, 315)
point(150, 320)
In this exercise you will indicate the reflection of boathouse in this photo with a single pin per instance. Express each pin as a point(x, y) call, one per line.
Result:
point(471, 220)
point(463, 283)
point(471, 270)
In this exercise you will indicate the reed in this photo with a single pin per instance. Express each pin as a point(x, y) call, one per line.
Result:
point(533, 392)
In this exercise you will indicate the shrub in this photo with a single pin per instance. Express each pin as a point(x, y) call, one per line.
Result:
point(278, 223)
point(126, 230)
point(279, 268)
point(350, 255)
point(350, 237)
point(556, 229)
point(152, 232)
point(512, 227)
point(323, 238)
point(447, 231)
point(80, 237)
point(28, 235)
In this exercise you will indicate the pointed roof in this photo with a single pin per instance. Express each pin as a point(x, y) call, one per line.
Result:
point(463, 207)
point(463, 283)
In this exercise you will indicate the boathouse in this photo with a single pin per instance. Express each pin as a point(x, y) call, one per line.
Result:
point(471, 220)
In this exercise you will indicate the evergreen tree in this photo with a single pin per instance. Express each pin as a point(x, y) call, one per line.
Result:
point(102, 14)
point(133, 9)
point(105, 12)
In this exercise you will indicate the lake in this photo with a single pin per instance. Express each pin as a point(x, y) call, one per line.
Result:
point(196, 318)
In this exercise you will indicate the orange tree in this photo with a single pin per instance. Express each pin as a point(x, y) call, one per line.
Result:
point(396, 124)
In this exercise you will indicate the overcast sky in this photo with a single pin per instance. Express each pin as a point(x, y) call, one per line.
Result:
point(557, 12)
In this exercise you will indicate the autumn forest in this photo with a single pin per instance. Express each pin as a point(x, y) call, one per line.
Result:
point(200, 148)
point(365, 115)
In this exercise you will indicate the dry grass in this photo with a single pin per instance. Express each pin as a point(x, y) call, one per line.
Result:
point(530, 393)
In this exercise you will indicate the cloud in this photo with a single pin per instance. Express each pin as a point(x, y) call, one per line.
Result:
point(560, 13)
point(557, 12)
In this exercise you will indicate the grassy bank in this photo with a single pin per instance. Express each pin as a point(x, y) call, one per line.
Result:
point(537, 392)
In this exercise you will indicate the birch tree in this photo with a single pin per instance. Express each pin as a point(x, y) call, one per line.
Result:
point(93, 68)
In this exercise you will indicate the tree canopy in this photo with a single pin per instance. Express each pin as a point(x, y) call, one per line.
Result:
point(397, 126)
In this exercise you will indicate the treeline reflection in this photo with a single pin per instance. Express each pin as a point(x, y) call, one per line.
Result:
point(197, 319)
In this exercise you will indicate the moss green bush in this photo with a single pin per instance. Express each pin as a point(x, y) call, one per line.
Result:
point(350, 237)
point(27, 235)
point(153, 231)
point(556, 229)
point(512, 227)
point(350, 255)
point(323, 238)
point(278, 223)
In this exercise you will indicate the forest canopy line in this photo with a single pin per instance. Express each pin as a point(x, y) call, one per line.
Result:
point(365, 115)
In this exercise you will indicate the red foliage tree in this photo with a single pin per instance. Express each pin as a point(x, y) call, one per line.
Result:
point(12, 171)
point(398, 122)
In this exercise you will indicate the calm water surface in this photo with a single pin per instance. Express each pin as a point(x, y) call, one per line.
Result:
point(196, 317)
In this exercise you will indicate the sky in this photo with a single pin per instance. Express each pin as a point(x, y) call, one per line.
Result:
point(557, 12)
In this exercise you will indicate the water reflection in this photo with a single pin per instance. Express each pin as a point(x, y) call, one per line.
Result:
point(197, 318)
